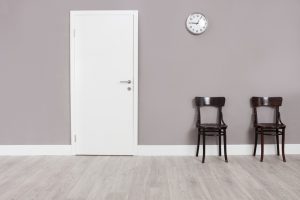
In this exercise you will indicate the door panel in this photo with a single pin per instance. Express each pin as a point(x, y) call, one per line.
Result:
point(104, 56)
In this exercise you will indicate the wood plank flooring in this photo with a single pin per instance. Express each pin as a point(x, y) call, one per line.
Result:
point(139, 178)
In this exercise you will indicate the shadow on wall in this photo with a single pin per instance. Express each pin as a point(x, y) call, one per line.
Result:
point(192, 133)
point(250, 133)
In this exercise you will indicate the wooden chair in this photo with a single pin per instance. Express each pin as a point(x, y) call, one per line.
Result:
point(274, 129)
point(211, 129)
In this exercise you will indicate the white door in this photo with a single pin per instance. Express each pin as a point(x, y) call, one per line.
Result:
point(104, 82)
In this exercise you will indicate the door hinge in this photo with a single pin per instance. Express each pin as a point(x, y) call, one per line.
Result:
point(74, 31)
point(75, 138)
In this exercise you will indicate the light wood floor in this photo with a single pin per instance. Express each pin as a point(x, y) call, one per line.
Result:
point(138, 178)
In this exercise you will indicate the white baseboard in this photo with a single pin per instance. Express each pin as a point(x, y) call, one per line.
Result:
point(31, 150)
point(190, 150)
point(147, 150)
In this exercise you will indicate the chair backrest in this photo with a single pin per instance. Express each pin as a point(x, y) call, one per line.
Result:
point(210, 101)
point(266, 101)
point(218, 102)
point(273, 102)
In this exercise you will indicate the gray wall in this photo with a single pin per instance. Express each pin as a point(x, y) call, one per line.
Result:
point(250, 48)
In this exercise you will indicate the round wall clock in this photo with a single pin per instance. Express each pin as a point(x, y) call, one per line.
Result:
point(196, 23)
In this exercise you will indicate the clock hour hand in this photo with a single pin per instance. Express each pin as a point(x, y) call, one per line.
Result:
point(195, 22)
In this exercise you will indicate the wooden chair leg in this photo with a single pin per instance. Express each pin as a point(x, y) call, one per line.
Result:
point(198, 143)
point(255, 143)
point(277, 142)
point(220, 150)
point(262, 146)
point(225, 146)
point(283, 141)
point(203, 154)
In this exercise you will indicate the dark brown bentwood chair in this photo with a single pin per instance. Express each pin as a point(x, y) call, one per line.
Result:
point(215, 129)
point(274, 129)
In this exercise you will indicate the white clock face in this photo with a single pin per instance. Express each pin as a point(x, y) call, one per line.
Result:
point(196, 23)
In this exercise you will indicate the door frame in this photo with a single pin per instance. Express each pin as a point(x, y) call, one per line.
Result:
point(74, 13)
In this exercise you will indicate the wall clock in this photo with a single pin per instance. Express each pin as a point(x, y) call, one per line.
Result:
point(196, 23)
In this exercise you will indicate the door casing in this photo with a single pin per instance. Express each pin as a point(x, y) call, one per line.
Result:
point(72, 71)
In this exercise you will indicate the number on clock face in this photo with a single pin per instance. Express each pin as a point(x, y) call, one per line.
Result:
point(196, 23)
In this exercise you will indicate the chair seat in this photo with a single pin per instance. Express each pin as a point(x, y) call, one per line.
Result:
point(270, 125)
point(212, 126)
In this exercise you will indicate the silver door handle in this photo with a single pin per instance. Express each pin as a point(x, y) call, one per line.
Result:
point(128, 82)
